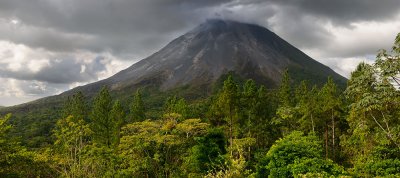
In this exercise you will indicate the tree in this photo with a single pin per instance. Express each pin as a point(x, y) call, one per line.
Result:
point(249, 108)
point(72, 137)
point(332, 102)
point(16, 160)
point(308, 107)
point(137, 111)
point(227, 102)
point(265, 110)
point(101, 123)
point(207, 154)
point(176, 105)
point(285, 91)
point(117, 115)
point(76, 106)
point(286, 112)
point(374, 106)
point(297, 154)
point(157, 148)
point(192, 127)
point(373, 143)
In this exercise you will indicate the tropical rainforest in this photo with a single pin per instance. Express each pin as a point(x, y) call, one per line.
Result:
point(243, 130)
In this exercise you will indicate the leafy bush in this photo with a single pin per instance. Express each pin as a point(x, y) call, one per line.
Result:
point(296, 154)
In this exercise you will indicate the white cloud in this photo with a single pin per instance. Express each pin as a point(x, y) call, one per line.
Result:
point(344, 66)
point(363, 38)
point(17, 57)
point(27, 74)
point(350, 46)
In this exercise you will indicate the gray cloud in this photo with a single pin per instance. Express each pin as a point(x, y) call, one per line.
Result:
point(63, 71)
point(54, 33)
point(134, 29)
point(346, 11)
point(118, 25)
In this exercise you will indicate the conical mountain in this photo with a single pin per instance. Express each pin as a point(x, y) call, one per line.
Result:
point(201, 56)
point(215, 48)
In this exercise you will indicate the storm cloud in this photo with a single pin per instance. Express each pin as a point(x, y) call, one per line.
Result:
point(49, 46)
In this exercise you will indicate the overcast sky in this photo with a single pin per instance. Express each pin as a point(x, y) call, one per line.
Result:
point(49, 46)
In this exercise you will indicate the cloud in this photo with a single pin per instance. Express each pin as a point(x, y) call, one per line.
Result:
point(27, 74)
point(13, 91)
point(23, 63)
point(345, 12)
point(135, 29)
point(121, 26)
point(49, 46)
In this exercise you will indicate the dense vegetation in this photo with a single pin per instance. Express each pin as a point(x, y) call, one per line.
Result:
point(244, 130)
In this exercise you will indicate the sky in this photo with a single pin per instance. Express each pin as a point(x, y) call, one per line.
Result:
point(50, 46)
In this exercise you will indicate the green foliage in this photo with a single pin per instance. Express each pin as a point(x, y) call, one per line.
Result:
point(76, 107)
point(117, 115)
point(101, 123)
point(227, 103)
point(385, 167)
point(286, 151)
point(326, 168)
point(137, 110)
point(373, 116)
point(155, 148)
point(4, 127)
point(308, 107)
point(16, 160)
point(285, 91)
point(71, 140)
point(101, 161)
point(175, 105)
point(207, 154)
point(297, 154)
point(249, 100)
point(286, 113)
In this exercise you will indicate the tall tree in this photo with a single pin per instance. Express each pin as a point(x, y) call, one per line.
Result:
point(331, 107)
point(101, 123)
point(307, 106)
point(264, 111)
point(285, 90)
point(228, 101)
point(76, 106)
point(176, 105)
point(374, 140)
point(286, 113)
point(248, 103)
point(72, 136)
point(117, 115)
point(137, 110)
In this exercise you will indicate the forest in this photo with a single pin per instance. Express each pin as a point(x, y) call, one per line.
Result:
point(244, 130)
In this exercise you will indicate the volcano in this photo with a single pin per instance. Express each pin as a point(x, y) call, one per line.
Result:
point(201, 56)
point(215, 48)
